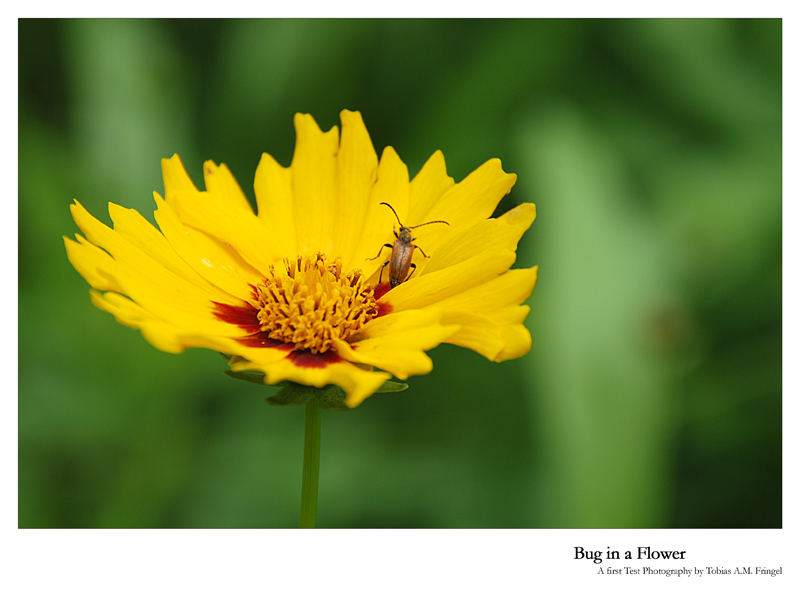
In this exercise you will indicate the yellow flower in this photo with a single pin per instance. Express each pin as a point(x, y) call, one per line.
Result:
point(296, 291)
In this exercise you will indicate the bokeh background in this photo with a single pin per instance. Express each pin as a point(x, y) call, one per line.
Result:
point(652, 394)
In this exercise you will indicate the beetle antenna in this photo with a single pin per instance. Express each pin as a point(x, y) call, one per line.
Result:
point(393, 211)
point(427, 223)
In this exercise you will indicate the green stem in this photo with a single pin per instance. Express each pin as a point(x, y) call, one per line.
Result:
point(308, 499)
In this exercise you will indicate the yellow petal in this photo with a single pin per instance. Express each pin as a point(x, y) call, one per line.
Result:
point(402, 363)
point(476, 196)
point(314, 182)
point(496, 342)
point(464, 204)
point(147, 281)
point(127, 312)
point(428, 186)
point(215, 261)
point(221, 183)
point(141, 234)
point(396, 324)
point(503, 232)
point(489, 316)
point(222, 212)
point(391, 187)
point(402, 355)
point(512, 287)
point(356, 382)
point(273, 188)
point(434, 287)
point(91, 263)
point(127, 249)
point(516, 343)
point(397, 342)
point(509, 314)
point(357, 170)
point(177, 182)
point(176, 336)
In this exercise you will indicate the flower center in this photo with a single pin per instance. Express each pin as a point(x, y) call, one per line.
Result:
point(308, 303)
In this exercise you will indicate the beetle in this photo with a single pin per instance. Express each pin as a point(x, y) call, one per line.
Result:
point(402, 251)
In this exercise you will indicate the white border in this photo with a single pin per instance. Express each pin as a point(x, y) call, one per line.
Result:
point(398, 561)
point(446, 9)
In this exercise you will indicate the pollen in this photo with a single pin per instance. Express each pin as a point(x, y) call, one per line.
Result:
point(308, 303)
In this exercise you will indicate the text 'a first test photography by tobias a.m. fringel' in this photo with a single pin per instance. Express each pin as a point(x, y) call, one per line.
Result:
point(290, 295)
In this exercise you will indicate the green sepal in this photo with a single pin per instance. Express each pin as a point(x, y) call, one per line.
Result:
point(255, 377)
point(392, 386)
point(291, 393)
point(327, 397)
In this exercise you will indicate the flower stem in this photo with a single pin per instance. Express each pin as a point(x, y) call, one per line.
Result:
point(308, 499)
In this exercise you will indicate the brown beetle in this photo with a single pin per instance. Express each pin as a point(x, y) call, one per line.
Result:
point(402, 251)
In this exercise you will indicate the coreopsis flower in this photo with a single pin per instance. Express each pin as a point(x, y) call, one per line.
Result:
point(301, 291)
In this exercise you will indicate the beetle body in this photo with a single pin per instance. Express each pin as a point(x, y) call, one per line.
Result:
point(400, 261)
point(400, 265)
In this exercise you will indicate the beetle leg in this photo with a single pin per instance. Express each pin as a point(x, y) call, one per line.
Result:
point(379, 251)
point(380, 277)
point(421, 250)
point(413, 268)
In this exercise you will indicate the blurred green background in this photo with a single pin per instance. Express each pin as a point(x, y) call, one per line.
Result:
point(652, 394)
